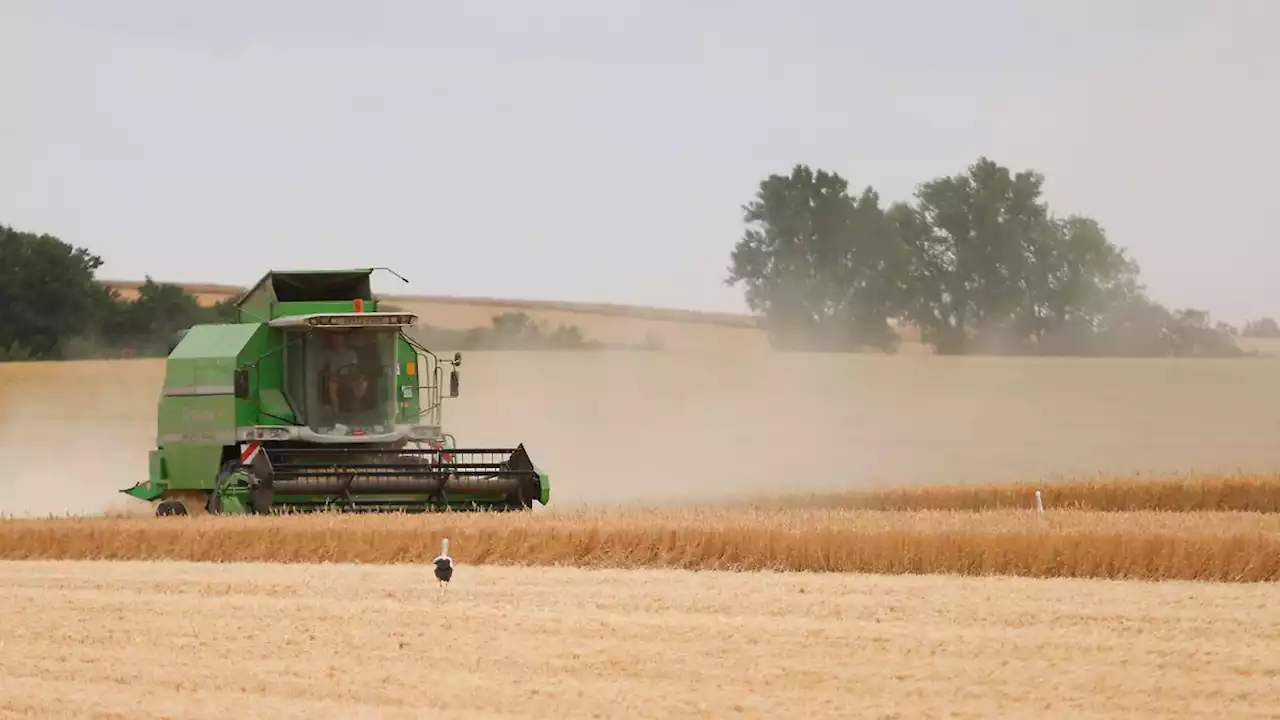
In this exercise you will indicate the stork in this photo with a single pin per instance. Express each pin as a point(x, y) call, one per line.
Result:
point(444, 565)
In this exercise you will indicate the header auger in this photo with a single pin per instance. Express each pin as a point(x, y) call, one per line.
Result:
point(315, 399)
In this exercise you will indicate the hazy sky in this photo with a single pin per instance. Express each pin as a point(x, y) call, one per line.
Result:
point(600, 151)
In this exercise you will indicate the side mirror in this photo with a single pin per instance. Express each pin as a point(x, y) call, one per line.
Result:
point(240, 383)
point(453, 384)
point(457, 359)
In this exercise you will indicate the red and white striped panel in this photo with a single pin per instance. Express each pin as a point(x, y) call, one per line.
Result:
point(249, 451)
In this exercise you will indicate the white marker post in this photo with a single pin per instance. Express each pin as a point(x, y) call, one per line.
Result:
point(1039, 503)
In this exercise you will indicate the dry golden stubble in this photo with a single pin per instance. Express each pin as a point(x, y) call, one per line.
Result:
point(202, 641)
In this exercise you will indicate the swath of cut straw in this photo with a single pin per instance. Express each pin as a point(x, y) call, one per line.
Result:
point(1192, 493)
point(1240, 547)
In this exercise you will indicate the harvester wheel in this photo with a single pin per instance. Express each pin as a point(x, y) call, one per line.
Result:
point(260, 498)
point(170, 507)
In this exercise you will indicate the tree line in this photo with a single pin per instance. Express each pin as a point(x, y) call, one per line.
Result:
point(53, 307)
point(976, 262)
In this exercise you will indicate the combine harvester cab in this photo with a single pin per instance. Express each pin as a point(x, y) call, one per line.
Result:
point(314, 399)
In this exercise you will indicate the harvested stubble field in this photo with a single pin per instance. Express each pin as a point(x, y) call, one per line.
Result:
point(178, 640)
point(1237, 547)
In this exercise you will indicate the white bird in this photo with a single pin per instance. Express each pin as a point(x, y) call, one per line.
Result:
point(444, 564)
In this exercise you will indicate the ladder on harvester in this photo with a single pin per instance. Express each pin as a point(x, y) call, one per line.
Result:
point(429, 382)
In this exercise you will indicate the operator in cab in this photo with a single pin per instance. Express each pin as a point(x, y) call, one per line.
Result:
point(345, 382)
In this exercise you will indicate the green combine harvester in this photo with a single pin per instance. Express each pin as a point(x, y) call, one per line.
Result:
point(314, 399)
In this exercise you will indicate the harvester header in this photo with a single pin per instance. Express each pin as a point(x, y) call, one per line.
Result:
point(315, 398)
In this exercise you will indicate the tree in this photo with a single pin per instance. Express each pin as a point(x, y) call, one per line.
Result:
point(1194, 334)
point(994, 270)
point(514, 330)
point(818, 265)
point(48, 293)
point(224, 311)
point(1135, 326)
point(566, 337)
point(160, 310)
point(1263, 328)
point(978, 262)
point(988, 249)
point(1080, 278)
point(52, 306)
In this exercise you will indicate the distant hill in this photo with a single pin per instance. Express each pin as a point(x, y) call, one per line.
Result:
point(612, 323)
point(674, 329)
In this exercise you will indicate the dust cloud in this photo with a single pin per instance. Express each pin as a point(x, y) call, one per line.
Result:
point(75, 433)
point(677, 427)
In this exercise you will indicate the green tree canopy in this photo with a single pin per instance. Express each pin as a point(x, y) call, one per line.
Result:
point(1262, 328)
point(977, 261)
point(819, 265)
point(147, 323)
point(48, 293)
point(53, 307)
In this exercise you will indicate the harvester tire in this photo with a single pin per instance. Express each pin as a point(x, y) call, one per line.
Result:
point(260, 498)
point(170, 508)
